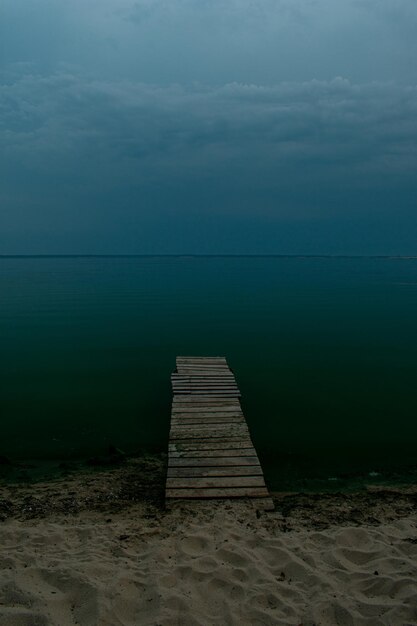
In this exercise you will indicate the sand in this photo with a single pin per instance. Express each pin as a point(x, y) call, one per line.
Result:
point(102, 551)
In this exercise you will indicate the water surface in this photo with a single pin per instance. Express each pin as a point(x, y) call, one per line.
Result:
point(324, 351)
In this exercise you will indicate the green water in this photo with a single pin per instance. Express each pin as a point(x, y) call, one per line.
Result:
point(324, 351)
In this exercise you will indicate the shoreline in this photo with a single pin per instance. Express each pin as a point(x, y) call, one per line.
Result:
point(141, 480)
point(101, 549)
point(299, 479)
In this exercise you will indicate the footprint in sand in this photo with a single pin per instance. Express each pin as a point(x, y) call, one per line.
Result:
point(357, 538)
point(239, 575)
point(223, 587)
point(196, 545)
point(205, 565)
point(81, 597)
point(232, 558)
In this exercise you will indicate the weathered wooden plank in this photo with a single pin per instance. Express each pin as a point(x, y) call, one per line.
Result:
point(205, 359)
point(201, 385)
point(182, 378)
point(206, 412)
point(220, 423)
point(195, 407)
point(199, 376)
point(195, 425)
point(207, 434)
point(198, 367)
point(203, 399)
point(206, 416)
point(208, 391)
point(232, 427)
point(213, 419)
point(203, 429)
point(237, 419)
point(221, 435)
point(182, 403)
point(183, 435)
point(203, 413)
point(203, 444)
point(204, 383)
point(218, 363)
point(203, 482)
point(207, 382)
point(214, 394)
point(204, 374)
point(202, 360)
point(213, 367)
point(180, 438)
point(202, 379)
point(205, 377)
point(213, 461)
point(201, 363)
point(209, 404)
point(199, 400)
point(216, 390)
point(241, 470)
point(227, 452)
point(208, 399)
point(235, 492)
point(200, 372)
point(211, 409)
point(205, 388)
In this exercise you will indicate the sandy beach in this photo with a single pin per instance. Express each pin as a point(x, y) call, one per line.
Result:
point(100, 549)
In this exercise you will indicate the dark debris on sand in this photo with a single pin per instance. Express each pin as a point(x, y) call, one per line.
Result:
point(112, 489)
point(107, 490)
point(370, 507)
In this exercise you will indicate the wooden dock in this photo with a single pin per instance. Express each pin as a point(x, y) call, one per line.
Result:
point(211, 454)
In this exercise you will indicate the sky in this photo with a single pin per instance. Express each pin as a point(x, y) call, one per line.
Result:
point(208, 126)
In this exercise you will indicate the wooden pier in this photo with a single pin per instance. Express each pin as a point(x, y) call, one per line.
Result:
point(211, 454)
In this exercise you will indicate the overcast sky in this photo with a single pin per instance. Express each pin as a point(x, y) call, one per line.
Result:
point(212, 126)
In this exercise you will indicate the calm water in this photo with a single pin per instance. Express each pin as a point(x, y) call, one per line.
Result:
point(324, 350)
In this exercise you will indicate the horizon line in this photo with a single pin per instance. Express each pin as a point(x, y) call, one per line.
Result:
point(211, 255)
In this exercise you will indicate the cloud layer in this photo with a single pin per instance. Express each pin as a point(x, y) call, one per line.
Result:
point(120, 115)
point(146, 133)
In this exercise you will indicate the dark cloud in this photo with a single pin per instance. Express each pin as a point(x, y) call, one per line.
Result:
point(116, 115)
point(144, 132)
